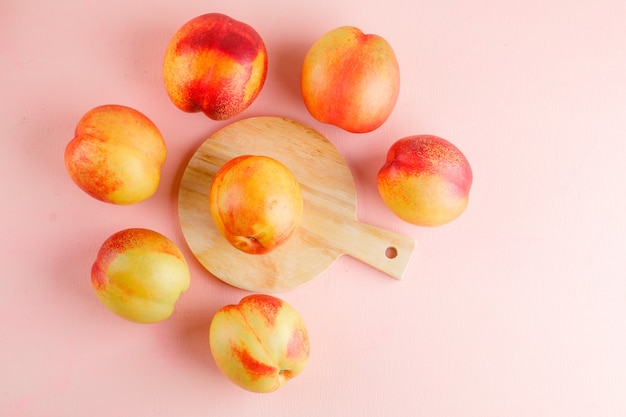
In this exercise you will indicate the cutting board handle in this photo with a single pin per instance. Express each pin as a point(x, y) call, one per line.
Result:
point(382, 249)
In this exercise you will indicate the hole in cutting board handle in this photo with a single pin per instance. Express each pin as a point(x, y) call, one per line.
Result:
point(391, 252)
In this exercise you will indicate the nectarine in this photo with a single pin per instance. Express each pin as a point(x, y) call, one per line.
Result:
point(425, 180)
point(116, 155)
point(256, 203)
point(260, 343)
point(139, 275)
point(215, 64)
point(350, 79)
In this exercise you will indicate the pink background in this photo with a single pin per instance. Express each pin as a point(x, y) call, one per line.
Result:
point(517, 308)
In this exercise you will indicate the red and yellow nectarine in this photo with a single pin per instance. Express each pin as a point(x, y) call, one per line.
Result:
point(139, 275)
point(256, 203)
point(215, 64)
point(350, 79)
point(260, 343)
point(116, 155)
point(425, 180)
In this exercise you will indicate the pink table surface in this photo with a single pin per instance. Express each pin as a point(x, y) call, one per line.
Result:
point(517, 308)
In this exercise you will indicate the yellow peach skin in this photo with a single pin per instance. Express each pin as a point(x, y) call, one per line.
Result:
point(139, 275)
point(116, 155)
point(259, 344)
point(215, 64)
point(350, 79)
point(256, 203)
point(425, 180)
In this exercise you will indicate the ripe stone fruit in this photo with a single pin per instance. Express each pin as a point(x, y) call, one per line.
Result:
point(139, 275)
point(260, 343)
point(426, 180)
point(350, 79)
point(116, 155)
point(215, 64)
point(256, 203)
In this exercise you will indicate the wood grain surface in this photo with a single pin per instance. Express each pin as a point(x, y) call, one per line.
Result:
point(329, 227)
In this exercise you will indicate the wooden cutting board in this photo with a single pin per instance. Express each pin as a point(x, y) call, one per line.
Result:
point(329, 226)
